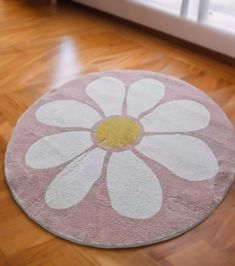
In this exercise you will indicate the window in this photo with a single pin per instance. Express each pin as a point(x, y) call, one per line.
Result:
point(222, 13)
point(224, 6)
point(193, 9)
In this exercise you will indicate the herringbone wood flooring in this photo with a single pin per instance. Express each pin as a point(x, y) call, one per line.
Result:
point(41, 48)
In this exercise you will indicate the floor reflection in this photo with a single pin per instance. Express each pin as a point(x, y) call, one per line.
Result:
point(67, 65)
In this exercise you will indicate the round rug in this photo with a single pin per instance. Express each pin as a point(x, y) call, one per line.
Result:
point(121, 159)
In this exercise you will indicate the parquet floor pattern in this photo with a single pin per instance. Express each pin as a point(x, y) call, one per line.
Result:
point(42, 47)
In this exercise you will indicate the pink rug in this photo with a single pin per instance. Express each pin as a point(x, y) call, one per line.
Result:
point(121, 159)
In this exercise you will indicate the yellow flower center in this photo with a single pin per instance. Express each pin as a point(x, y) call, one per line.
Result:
point(117, 132)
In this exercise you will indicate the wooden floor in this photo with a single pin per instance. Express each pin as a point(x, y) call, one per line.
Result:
point(42, 47)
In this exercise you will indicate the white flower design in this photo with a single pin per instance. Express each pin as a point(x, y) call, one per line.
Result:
point(106, 142)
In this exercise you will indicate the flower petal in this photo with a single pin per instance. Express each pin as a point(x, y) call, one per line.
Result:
point(56, 149)
point(67, 113)
point(143, 95)
point(185, 156)
point(74, 182)
point(177, 116)
point(134, 190)
point(108, 93)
